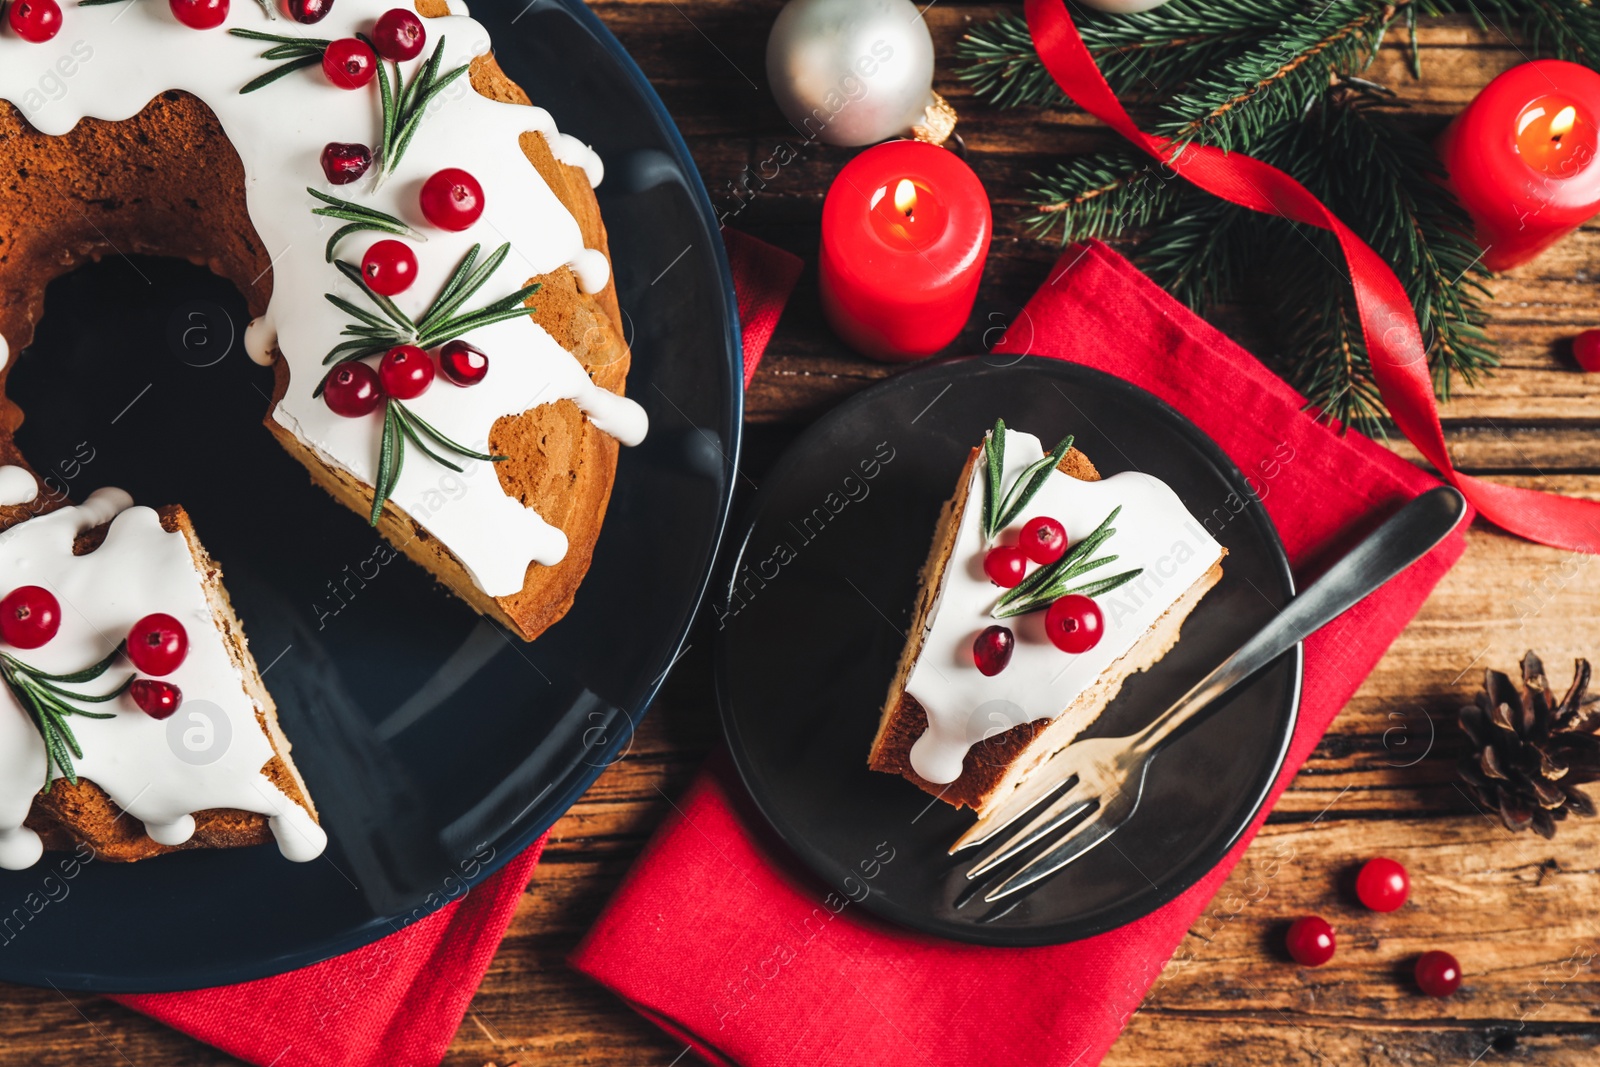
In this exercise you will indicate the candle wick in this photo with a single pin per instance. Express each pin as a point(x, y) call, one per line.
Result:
point(911, 214)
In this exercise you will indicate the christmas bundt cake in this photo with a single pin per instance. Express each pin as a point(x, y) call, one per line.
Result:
point(424, 258)
point(1045, 589)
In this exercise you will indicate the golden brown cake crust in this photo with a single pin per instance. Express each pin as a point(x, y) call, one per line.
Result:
point(168, 182)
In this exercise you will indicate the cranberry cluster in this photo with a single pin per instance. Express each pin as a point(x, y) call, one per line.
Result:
point(30, 617)
point(405, 372)
point(1073, 623)
point(1382, 885)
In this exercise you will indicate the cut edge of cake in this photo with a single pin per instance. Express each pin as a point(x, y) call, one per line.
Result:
point(1002, 762)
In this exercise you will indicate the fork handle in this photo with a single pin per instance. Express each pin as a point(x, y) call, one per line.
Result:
point(1404, 538)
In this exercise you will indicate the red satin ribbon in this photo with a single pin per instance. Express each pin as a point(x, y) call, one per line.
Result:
point(1388, 322)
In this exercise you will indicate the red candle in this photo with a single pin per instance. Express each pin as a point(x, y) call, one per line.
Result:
point(1521, 158)
point(905, 232)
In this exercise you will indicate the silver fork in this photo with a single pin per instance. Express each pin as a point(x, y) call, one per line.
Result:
point(1110, 771)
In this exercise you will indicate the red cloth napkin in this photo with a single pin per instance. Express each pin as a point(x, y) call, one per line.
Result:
point(763, 276)
point(398, 1002)
point(720, 943)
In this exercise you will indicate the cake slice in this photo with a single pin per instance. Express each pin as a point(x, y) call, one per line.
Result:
point(141, 751)
point(1131, 548)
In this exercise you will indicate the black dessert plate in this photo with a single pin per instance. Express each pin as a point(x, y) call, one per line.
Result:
point(814, 599)
point(436, 746)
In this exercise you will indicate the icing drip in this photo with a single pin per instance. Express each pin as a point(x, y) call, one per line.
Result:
point(210, 754)
point(124, 54)
point(17, 486)
point(260, 340)
point(1154, 531)
point(593, 270)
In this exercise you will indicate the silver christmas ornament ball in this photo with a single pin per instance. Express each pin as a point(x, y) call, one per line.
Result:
point(851, 72)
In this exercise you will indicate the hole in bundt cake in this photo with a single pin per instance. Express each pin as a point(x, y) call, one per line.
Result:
point(131, 382)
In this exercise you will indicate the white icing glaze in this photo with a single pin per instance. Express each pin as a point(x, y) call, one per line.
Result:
point(1154, 531)
point(123, 54)
point(17, 486)
point(139, 569)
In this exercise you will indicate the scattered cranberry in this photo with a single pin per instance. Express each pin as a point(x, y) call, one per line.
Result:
point(462, 363)
point(399, 35)
point(1310, 941)
point(389, 267)
point(1586, 347)
point(1074, 623)
point(452, 199)
point(406, 372)
point(343, 163)
point(352, 390)
point(991, 650)
point(1006, 566)
point(307, 12)
point(200, 14)
point(349, 63)
point(1438, 973)
point(158, 644)
point(1382, 884)
point(156, 699)
point(1044, 540)
point(30, 615)
point(35, 20)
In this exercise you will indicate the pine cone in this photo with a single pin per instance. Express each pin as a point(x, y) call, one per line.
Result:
point(1530, 755)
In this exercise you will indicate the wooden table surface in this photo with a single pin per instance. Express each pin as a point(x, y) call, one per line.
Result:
point(1521, 913)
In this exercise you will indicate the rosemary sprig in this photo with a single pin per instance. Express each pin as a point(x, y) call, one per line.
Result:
point(405, 105)
point(358, 218)
point(1032, 478)
point(400, 425)
point(296, 52)
point(378, 331)
point(1047, 584)
point(45, 698)
point(994, 454)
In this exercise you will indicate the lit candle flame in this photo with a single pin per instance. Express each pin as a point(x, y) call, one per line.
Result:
point(1562, 124)
point(905, 198)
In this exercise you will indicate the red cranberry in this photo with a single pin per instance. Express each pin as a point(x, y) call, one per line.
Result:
point(349, 63)
point(462, 363)
point(399, 35)
point(158, 644)
point(1438, 973)
point(1044, 540)
point(200, 14)
point(343, 163)
point(307, 12)
point(406, 372)
point(1382, 884)
point(452, 199)
point(1074, 623)
point(389, 267)
point(1310, 941)
point(30, 615)
point(1586, 347)
point(1005, 565)
point(352, 390)
point(991, 650)
point(156, 699)
point(35, 20)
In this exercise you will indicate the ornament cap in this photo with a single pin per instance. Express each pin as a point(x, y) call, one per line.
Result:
point(938, 121)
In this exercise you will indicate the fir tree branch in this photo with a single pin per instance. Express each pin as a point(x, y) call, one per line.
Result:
point(1275, 81)
point(1102, 195)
